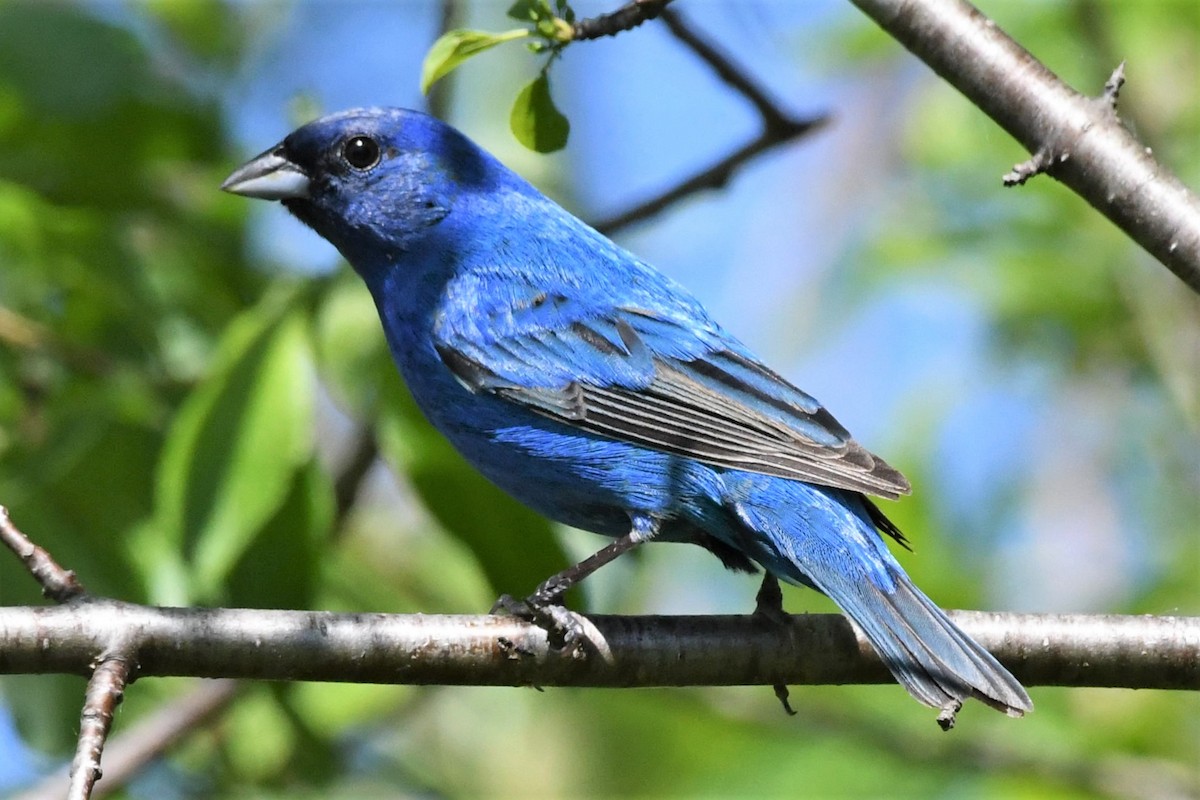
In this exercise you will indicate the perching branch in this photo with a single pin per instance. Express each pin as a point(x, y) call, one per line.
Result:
point(128, 753)
point(140, 641)
point(1041, 650)
point(1077, 139)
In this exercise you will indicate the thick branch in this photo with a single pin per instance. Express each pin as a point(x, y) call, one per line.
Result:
point(1041, 650)
point(1078, 139)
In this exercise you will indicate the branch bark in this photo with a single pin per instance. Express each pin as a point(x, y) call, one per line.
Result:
point(106, 689)
point(57, 583)
point(1041, 650)
point(1077, 139)
point(627, 17)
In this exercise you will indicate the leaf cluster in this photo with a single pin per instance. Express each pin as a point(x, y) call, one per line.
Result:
point(535, 121)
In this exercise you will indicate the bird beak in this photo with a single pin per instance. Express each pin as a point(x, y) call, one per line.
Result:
point(269, 176)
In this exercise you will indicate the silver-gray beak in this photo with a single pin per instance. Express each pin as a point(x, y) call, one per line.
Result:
point(268, 176)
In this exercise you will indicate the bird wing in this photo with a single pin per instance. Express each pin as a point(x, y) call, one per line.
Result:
point(667, 379)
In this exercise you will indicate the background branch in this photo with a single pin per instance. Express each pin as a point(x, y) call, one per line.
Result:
point(1079, 139)
point(625, 18)
point(106, 689)
point(779, 127)
point(128, 753)
point(58, 584)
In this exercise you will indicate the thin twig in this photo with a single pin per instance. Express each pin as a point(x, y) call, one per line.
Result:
point(105, 690)
point(779, 127)
point(437, 100)
point(625, 18)
point(727, 71)
point(713, 177)
point(349, 480)
point(128, 753)
point(58, 584)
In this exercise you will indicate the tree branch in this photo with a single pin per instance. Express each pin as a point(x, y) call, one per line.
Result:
point(779, 127)
point(106, 689)
point(1041, 650)
point(350, 478)
point(625, 18)
point(732, 75)
point(1078, 140)
point(129, 752)
point(58, 584)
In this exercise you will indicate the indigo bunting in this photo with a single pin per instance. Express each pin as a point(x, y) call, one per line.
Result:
point(598, 391)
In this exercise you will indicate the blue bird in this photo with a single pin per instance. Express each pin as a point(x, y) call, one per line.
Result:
point(599, 392)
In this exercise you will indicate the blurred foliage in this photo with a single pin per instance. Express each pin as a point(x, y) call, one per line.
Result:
point(166, 430)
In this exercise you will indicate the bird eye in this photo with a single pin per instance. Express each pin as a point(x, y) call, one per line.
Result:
point(361, 152)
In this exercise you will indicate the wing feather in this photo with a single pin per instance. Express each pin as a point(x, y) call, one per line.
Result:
point(636, 377)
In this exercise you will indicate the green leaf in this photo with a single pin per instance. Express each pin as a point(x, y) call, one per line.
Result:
point(231, 455)
point(536, 121)
point(530, 10)
point(281, 567)
point(454, 47)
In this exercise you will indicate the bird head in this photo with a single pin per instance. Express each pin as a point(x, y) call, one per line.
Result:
point(372, 180)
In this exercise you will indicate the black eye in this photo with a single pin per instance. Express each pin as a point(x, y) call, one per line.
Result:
point(361, 152)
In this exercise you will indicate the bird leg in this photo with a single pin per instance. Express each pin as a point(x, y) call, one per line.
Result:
point(768, 605)
point(543, 607)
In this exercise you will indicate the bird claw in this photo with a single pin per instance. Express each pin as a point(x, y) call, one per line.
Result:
point(782, 694)
point(949, 714)
point(768, 606)
point(507, 604)
point(768, 603)
point(566, 631)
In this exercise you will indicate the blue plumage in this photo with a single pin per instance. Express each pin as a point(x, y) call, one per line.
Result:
point(599, 392)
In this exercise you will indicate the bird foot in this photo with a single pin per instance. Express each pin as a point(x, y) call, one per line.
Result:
point(782, 694)
point(768, 605)
point(949, 714)
point(567, 632)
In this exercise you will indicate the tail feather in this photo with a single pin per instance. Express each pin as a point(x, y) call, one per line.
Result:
point(927, 653)
point(937, 663)
point(828, 540)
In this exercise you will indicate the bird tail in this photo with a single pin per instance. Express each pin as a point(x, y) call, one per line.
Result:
point(828, 540)
point(928, 654)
